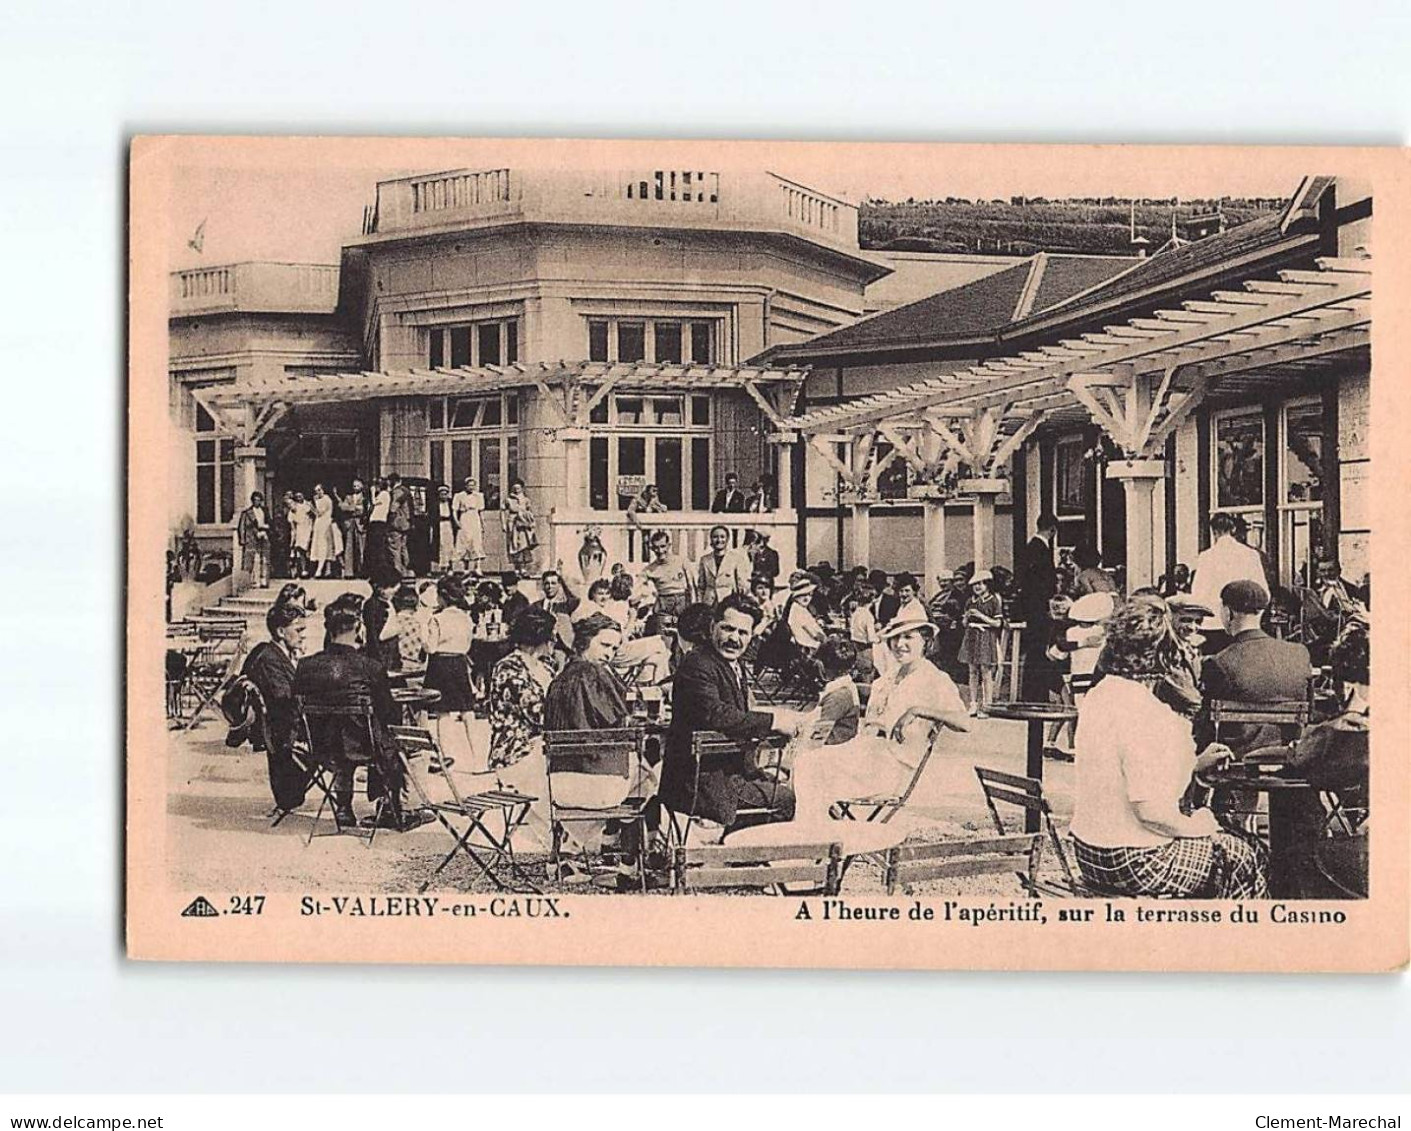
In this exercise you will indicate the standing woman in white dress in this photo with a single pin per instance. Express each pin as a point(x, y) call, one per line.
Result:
point(326, 540)
point(301, 532)
point(466, 510)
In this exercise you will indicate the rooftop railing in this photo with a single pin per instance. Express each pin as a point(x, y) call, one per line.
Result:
point(689, 198)
point(269, 287)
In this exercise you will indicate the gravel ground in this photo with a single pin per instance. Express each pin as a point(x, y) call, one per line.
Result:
point(220, 836)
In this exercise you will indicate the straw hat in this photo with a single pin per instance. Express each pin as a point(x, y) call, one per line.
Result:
point(909, 622)
point(802, 582)
point(981, 575)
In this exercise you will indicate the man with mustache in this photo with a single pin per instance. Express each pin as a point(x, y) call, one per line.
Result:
point(710, 695)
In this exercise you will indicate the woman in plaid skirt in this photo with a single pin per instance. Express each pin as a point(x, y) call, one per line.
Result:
point(1135, 757)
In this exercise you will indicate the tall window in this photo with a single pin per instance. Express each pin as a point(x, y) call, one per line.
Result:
point(1238, 468)
point(479, 437)
point(648, 437)
point(493, 342)
point(1301, 490)
point(671, 341)
point(215, 471)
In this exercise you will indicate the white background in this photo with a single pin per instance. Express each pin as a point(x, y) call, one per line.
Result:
point(78, 79)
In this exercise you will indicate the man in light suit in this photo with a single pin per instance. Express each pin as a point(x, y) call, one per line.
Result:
point(1227, 559)
point(722, 570)
point(709, 694)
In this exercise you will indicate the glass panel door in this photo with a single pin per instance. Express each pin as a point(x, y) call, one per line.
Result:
point(668, 470)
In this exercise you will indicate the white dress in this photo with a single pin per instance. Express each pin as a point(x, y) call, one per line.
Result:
point(301, 526)
point(325, 538)
point(470, 528)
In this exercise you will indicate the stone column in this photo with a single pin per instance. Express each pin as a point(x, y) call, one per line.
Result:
point(1146, 539)
point(785, 485)
point(249, 478)
point(985, 492)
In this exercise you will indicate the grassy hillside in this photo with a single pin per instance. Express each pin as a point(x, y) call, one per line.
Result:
point(1021, 226)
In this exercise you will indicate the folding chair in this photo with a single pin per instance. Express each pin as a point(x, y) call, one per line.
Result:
point(1028, 794)
point(1289, 715)
point(353, 716)
point(412, 743)
point(606, 754)
point(883, 809)
point(955, 859)
point(706, 744)
point(724, 867)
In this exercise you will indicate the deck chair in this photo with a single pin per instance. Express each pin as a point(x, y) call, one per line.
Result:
point(355, 716)
point(1028, 794)
point(955, 859)
point(708, 744)
point(883, 809)
point(473, 809)
point(604, 754)
point(724, 867)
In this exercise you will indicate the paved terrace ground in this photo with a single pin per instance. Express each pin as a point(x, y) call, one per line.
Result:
point(220, 838)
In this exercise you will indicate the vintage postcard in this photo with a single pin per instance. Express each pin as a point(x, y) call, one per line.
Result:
point(767, 554)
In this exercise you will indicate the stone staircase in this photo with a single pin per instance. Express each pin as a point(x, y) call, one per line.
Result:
point(253, 604)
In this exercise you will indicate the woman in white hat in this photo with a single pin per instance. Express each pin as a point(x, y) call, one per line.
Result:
point(903, 709)
point(804, 627)
point(1087, 637)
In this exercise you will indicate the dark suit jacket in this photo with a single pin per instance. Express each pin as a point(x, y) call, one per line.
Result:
point(733, 504)
point(335, 676)
point(707, 696)
point(1037, 581)
point(270, 669)
point(766, 562)
point(376, 613)
point(1254, 668)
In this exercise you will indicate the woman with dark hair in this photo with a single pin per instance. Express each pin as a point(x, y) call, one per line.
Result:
point(517, 688)
point(448, 636)
point(588, 694)
point(1135, 758)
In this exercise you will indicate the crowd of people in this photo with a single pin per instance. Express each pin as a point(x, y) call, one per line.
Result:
point(869, 662)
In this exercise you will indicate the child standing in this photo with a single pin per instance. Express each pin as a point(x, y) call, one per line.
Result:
point(979, 647)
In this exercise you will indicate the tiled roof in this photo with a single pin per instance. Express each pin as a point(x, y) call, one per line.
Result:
point(975, 310)
point(1178, 264)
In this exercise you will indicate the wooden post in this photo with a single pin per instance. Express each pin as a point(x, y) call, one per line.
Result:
point(1139, 478)
point(785, 486)
point(860, 544)
point(933, 548)
point(985, 492)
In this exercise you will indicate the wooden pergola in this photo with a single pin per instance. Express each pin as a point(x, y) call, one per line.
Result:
point(1137, 381)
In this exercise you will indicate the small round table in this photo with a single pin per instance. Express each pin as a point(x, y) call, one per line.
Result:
point(414, 701)
point(1037, 715)
point(1290, 847)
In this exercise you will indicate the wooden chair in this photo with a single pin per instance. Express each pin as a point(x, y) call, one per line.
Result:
point(412, 743)
point(615, 754)
point(883, 809)
point(722, 867)
point(1028, 794)
point(1289, 715)
point(707, 744)
point(956, 859)
point(353, 715)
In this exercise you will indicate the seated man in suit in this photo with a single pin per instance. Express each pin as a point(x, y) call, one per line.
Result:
point(337, 676)
point(710, 694)
point(1254, 668)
